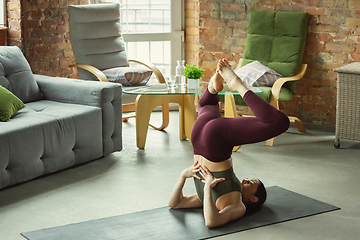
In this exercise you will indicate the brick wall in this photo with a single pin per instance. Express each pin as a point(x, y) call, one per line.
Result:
point(214, 29)
point(40, 29)
point(192, 30)
point(14, 23)
point(218, 28)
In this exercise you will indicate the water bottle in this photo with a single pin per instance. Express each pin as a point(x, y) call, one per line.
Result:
point(180, 79)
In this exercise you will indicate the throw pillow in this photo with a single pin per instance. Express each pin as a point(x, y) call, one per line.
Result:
point(9, 104)
point(128, 76)
point(257, 75)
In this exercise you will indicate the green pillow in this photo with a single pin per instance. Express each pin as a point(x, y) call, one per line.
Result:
point(9, 104)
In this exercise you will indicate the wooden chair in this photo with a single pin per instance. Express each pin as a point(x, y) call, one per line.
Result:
point(277, 40)
point(97, 44)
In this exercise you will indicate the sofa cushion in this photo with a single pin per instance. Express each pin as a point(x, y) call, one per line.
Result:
point(16, 74)
point(51, 136)
point(104, 95)
point(9, 104)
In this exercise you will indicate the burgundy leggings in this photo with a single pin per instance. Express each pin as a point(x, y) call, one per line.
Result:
point(214, 137)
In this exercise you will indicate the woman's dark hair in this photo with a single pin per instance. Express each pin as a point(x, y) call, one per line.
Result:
point(261, 195)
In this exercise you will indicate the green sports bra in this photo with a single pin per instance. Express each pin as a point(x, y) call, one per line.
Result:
point(231, 184)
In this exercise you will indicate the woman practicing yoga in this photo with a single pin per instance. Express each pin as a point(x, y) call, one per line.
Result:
point(220, 193)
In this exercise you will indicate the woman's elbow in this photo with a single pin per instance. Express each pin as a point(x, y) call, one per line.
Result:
point(211, 224)
point(172, 205)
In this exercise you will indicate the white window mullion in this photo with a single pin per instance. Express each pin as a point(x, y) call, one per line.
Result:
point(127, 15)
point(149, 6)
point(177, 46)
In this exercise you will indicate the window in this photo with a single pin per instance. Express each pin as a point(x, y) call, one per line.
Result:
point(2, 13)
point(144, 16)
point(152, 30)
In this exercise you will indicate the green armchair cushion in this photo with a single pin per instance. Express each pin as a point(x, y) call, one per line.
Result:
point(285, 95)
point(277, 40)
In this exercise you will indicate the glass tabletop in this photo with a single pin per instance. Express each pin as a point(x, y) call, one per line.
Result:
point(164, 89)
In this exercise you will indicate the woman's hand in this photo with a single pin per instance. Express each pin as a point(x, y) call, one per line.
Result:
point(177, 199)
point(191, 171)
point(209, 179)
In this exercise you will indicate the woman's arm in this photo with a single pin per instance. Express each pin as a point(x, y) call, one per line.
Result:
point(214, 218)
point(177, 199)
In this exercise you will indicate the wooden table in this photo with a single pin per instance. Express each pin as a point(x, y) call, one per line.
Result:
point(151, 96)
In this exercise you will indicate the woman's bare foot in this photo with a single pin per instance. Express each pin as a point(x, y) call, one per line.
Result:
point(233, 81)
point(216, 83)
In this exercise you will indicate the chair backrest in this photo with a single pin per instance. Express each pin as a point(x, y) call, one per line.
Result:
point(95, 36)
point(277, 40)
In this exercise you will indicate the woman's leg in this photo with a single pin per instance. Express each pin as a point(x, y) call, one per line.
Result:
point(209, 101)
point(208, 108)
point(268, 122)
point(214, 137)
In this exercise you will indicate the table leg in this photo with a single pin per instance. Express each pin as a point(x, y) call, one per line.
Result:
point(230, 107)
point(190, 115)
point(230, 111)
point(182, 134)
point(143, 107)
point(165, 117)
point(187, 114)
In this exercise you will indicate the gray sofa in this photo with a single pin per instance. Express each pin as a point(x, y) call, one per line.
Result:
point(65, 122)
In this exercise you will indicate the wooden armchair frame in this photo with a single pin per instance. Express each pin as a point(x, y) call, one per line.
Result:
point(131, 107)
point(230, 106)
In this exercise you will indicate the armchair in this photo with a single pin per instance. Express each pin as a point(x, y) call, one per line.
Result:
point(277, 40)
point(98, 47)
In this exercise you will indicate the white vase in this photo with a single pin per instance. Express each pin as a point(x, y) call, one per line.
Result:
point(193, 83)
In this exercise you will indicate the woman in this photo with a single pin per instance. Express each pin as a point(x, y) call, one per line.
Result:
point(220, 193)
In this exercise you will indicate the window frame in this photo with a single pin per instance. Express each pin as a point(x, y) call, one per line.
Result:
point(3, 19)
point(175, 36)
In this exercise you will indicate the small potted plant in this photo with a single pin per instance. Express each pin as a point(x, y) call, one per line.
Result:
point(193, 74)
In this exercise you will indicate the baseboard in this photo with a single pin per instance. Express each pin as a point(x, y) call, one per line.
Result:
point(320, 127)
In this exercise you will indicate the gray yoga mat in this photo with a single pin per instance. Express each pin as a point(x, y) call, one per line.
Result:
point(164, 223)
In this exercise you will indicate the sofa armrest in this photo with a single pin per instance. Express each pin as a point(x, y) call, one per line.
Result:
point(104, 95)
point(77, 91)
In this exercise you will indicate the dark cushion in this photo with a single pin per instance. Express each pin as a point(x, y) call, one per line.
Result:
point(9, 104)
